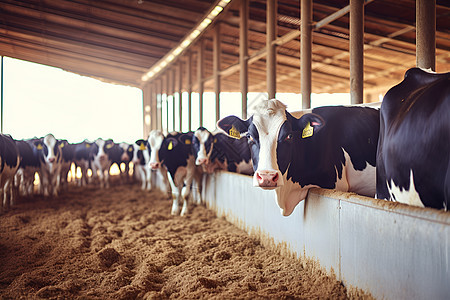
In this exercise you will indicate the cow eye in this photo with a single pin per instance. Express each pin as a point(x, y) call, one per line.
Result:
point(288, 138)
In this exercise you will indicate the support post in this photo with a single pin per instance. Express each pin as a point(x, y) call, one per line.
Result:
point(180, 95)
point(426, 34)
point(189, 88)
point(200, 58)
point(271, 59)
point(306, 52)
point(243, 55)
point(146, 109)
point(216, 67)
point(172, 92)
point(356, 51)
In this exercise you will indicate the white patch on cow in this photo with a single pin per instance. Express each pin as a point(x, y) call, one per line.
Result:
point(410, 196)
point(155, 140)
point(244, 167)
point(361, 182)
point(202, 136)
point(268, 119)
point(290, 194)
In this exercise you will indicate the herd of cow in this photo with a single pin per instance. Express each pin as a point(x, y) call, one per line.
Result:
point(399, 153)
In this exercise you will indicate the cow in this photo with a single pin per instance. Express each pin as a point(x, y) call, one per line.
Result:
point(333, 147)
point(68, 152)
point(141, 158)
point(102, 161)
point(413, 159)
point(9, 163)
point(83, 156)
point(218, 151)
point(50, 157)
point(29, 165)
point(126, 158)
point(174, 154)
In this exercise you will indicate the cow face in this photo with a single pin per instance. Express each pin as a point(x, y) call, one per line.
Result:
point(140, 154)
point(272, 136)
point(104, 146)
point(51, 149)
point(202, 146)
point(155, 142)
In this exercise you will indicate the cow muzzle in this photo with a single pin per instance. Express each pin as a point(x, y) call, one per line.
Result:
point(267, 179)
point(201, 161)
point(155, 165)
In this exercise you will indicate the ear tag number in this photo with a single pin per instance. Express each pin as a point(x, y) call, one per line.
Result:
point(233, 132)
point(170, 147)
point(307, 131)
point(142, 147)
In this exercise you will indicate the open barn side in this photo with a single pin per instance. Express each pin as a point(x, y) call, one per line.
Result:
point(390, 250)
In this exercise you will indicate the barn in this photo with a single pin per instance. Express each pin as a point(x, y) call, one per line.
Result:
point(175, 50)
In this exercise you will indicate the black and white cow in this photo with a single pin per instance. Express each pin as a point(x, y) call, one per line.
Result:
point(413, 159)
point(333, 147)
point(102, 161)
point(174, 153)
point(141, 158)
point(9, 163)
point(126, 158)
point(83, 156)
point(218, 151)
point(68, 152)
point(29, 165)
point(50, 156)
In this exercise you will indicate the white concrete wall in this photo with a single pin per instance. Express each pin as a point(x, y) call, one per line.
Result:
point(390, 250)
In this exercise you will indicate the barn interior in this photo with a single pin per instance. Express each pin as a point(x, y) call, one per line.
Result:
point(124, 42)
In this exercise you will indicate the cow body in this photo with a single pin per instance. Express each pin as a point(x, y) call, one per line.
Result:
point(413, 164)
point(50, 157)
point(83, 156)
point(67, 151)
point(218, 151)
point(141, 159)
point(29, 165)
point(174, 154)
point(9, 163)
point(332, 147)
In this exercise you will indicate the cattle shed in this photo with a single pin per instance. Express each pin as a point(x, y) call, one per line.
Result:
point(173, 48)
point(361, 47)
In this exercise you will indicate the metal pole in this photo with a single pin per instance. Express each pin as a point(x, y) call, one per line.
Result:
point(200, 58)
point(426, 34)
point(306, 52)
point(216, 67)
point(160, 104)
point(356, 51)
point(243, 55)
point(271, 59)
point(172, 91)
point(180, 95)
point(189, 89)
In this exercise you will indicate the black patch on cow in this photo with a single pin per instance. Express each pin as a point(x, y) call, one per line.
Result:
point(173, 153)
point(315, 159)
point(28, 157)
point(415, 135)
point(8, 151)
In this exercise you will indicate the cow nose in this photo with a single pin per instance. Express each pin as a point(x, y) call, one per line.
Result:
point(51, 160)
point(154, 166)
point(201, 161)
point(267, 178)
point(102, 157)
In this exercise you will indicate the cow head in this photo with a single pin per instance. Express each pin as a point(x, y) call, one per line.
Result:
point(50, 149)
point(155, 142)
point(104, 146)
point(202, 146)
point(272, 134)
point(140, 155)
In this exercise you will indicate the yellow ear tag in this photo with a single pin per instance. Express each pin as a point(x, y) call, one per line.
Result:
point(215, 140)
point(39, 147)
point(170, 147)
point(61, 145)
point(130, 150)
point(109, 146)
point(187, 142)
point(307, 131)
point(142, 147)
point(88, 146)
point(234, 133)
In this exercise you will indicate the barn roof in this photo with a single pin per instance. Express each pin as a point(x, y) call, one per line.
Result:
point(119, 40)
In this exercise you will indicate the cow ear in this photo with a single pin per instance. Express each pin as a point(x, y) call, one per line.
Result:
point(171, 143)
point(185, 138)
point(141, 144)
point(308, 125)
point(234, 126)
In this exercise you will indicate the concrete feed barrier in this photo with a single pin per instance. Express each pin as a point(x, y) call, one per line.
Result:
point(390, 250)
